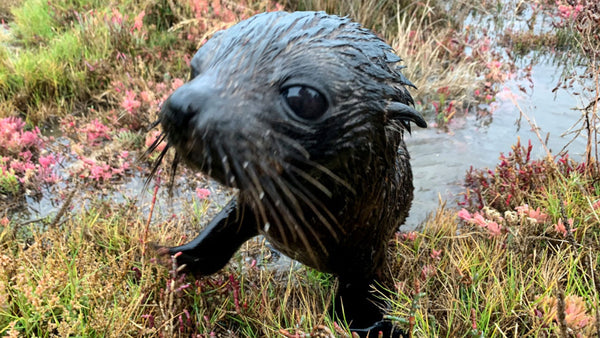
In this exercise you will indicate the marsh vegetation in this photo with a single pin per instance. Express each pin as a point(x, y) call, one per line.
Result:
point(80, 80)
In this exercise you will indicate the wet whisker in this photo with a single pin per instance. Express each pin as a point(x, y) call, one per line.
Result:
point(155, 166)
point(318, 208)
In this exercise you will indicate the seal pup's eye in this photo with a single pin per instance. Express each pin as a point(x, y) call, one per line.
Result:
point(305, 102)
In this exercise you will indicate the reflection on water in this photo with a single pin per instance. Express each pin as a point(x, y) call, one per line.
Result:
point(440, 160)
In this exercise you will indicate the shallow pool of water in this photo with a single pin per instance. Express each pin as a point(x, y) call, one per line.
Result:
point(440, 160)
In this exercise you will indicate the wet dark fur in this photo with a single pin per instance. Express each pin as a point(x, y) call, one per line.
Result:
point(328, 192)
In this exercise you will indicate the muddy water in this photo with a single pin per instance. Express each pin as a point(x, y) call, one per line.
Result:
point(440, 160)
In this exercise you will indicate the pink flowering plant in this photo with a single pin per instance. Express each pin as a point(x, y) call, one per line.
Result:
point(577, 317)
point(497, 224)
point(25, 165)
point(139, 103)
point(489, 219)
point(514, 178)
point(566, 11)
point(102, 150)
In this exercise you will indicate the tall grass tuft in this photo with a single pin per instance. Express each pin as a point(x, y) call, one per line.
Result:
point(424, 45)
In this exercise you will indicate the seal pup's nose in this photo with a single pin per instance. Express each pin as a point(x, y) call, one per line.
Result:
point(183, 105)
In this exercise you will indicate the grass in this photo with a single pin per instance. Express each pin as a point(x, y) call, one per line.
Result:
point(520, 260)
point(91, 274)
point(501, 285)
point(61, 54)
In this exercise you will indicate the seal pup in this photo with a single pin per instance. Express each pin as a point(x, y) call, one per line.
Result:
point(304, 113)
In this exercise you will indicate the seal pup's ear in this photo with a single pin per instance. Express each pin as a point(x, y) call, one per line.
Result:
point(405, 114)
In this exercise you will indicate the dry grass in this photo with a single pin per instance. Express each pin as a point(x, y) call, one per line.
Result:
point(458, 281)
point(5, 8)
point(426, 47)
point(374, 14)
point(90, 277)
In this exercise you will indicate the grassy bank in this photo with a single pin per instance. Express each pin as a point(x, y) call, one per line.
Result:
point(523, 265)
point(80, 80)
point(483, 272)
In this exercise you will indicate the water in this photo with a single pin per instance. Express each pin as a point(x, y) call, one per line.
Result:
point(440, 160)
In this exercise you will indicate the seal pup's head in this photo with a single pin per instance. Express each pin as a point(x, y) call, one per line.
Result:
point(289, 106)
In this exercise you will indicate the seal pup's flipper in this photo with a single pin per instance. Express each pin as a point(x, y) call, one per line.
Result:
point(215, 245)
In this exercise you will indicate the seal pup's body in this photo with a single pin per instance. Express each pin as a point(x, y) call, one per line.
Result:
point(305, 114)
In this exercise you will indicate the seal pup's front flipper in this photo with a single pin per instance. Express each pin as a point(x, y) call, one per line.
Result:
point(216, 244)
